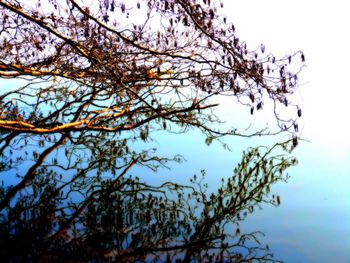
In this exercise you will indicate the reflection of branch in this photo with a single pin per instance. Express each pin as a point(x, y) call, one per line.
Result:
point(106, 86)
point(144, 250)
point(7, 140)
point(127, 220)
point(88, 201)
point(31, 172)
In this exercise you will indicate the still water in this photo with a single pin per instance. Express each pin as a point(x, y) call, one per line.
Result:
point(312, 222)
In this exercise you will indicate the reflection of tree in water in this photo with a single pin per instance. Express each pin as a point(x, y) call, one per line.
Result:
point(98, 78)
point(124, 220)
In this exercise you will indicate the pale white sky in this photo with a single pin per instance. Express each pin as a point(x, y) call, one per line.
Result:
point(320, 29)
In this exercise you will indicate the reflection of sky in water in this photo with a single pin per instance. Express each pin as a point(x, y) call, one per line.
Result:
point(313, 222)
point(314, 217)
point(311, 225)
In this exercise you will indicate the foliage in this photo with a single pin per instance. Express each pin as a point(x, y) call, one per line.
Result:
point(99, 77)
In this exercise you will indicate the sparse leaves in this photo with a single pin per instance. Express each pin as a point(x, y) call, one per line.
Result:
point(209, 140)
point(98, 80)
point(299, 112)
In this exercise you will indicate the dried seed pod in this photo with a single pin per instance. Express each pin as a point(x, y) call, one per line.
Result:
point(299, 112)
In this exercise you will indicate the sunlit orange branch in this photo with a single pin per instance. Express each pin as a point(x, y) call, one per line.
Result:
point(21, 126)
point(16, 70)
